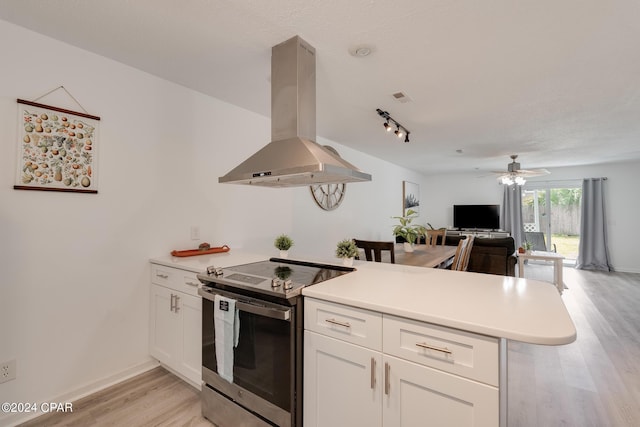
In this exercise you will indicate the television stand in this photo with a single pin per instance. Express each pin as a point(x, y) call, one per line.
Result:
point(476, 232)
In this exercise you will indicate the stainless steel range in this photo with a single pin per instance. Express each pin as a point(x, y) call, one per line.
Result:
point(262, 386)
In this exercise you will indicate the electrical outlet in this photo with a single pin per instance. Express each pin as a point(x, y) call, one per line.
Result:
point(7, 371)
point(195, 232)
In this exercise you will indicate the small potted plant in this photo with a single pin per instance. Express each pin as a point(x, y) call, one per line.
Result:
point(409, 232)
point(283, 243)
point(525, 248)
point(347, 250)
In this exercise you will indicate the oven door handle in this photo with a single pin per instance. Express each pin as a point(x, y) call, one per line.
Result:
point(259, 310)
point(273, 313)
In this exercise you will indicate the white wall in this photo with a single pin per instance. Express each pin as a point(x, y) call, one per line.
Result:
point(443, 191)
point(366, 212)
point(75, 274)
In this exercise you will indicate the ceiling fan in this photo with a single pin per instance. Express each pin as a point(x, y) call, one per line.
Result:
point(515, 175)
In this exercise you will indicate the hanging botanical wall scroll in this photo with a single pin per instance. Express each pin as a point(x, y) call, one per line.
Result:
point(57, 149)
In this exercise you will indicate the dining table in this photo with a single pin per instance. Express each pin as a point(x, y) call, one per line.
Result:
point(425, 255)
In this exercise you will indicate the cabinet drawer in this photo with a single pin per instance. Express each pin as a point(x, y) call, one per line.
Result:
point(350, 324)
point(189, 283)
point(176, 279)
point(458, 352)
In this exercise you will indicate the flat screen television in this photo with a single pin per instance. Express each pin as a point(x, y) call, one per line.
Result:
point(486, 217)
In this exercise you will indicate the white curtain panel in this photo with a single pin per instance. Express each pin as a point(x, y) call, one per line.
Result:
point(511, 213)
point(593, 253)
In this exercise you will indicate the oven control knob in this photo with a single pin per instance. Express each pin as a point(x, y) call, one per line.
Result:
point(287, 284)
point(275, 282)
point(216, 271)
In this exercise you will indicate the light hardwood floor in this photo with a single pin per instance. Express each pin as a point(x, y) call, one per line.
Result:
point(594, 381)
point(154, 398)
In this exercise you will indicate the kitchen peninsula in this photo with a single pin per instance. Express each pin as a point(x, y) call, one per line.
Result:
point(393, 345)
point(391, 342)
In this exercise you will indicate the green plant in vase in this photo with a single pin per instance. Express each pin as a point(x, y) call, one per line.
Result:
point(347, 250)
point(408, 231)
point(283, 243)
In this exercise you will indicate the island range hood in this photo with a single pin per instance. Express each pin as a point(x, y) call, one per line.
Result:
point(293, 158)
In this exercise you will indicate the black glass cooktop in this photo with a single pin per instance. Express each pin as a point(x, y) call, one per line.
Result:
point(299, 272)
point(257, 277)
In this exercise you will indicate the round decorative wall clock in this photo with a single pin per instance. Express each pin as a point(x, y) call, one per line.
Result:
point(328, 196)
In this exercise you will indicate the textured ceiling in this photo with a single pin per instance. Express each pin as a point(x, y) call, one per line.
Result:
point(556, 82)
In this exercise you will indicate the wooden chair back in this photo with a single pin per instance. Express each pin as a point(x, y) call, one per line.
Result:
point(432, 236)
point(463, 252)
point(373, 249)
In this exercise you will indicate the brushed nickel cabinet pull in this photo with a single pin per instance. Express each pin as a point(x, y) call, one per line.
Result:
point(373, 373)
point(336, 322)
point(162, 276)
point(177, 308)
point(172, 304)
point(192, 283)
point(430, 347)
point(387, 381)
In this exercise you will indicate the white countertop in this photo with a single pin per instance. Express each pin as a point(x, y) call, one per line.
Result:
point(199, 263)
point(498, 306)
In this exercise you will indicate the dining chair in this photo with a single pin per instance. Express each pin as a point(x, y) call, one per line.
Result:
point(373, 249)
point(463, 252)
point(432, 236)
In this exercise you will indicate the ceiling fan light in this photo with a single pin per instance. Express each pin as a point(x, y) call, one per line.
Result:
point(506, 180)
point(515, 175)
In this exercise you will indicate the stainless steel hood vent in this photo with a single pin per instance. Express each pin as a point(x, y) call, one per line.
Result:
point(293, 158)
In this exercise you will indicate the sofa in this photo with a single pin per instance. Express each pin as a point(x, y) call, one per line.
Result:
point(490, 255)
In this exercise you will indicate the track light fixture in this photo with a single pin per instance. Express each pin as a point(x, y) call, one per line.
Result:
point(388, 121)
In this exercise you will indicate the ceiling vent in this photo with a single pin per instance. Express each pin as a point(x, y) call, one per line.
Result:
point(401, 97)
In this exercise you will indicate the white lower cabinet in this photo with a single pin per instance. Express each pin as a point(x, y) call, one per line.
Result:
point(164, 326)
point(347, 383)
point(419, 396)
point(341, 383)
point(175, 322)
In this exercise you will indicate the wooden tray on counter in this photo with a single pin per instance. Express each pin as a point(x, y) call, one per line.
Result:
point(193, 252)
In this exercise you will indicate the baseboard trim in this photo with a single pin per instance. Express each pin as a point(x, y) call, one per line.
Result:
point(14, 419)
point(182, 377)
point(626, 270)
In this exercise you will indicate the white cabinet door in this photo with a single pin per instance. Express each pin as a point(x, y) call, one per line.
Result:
point(190, 310)
point(175, 331)
point(342, 383)
point(419, 396)
point(164, 326)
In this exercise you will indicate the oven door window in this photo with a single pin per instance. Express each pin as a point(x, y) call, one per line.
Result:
point(262, 359)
